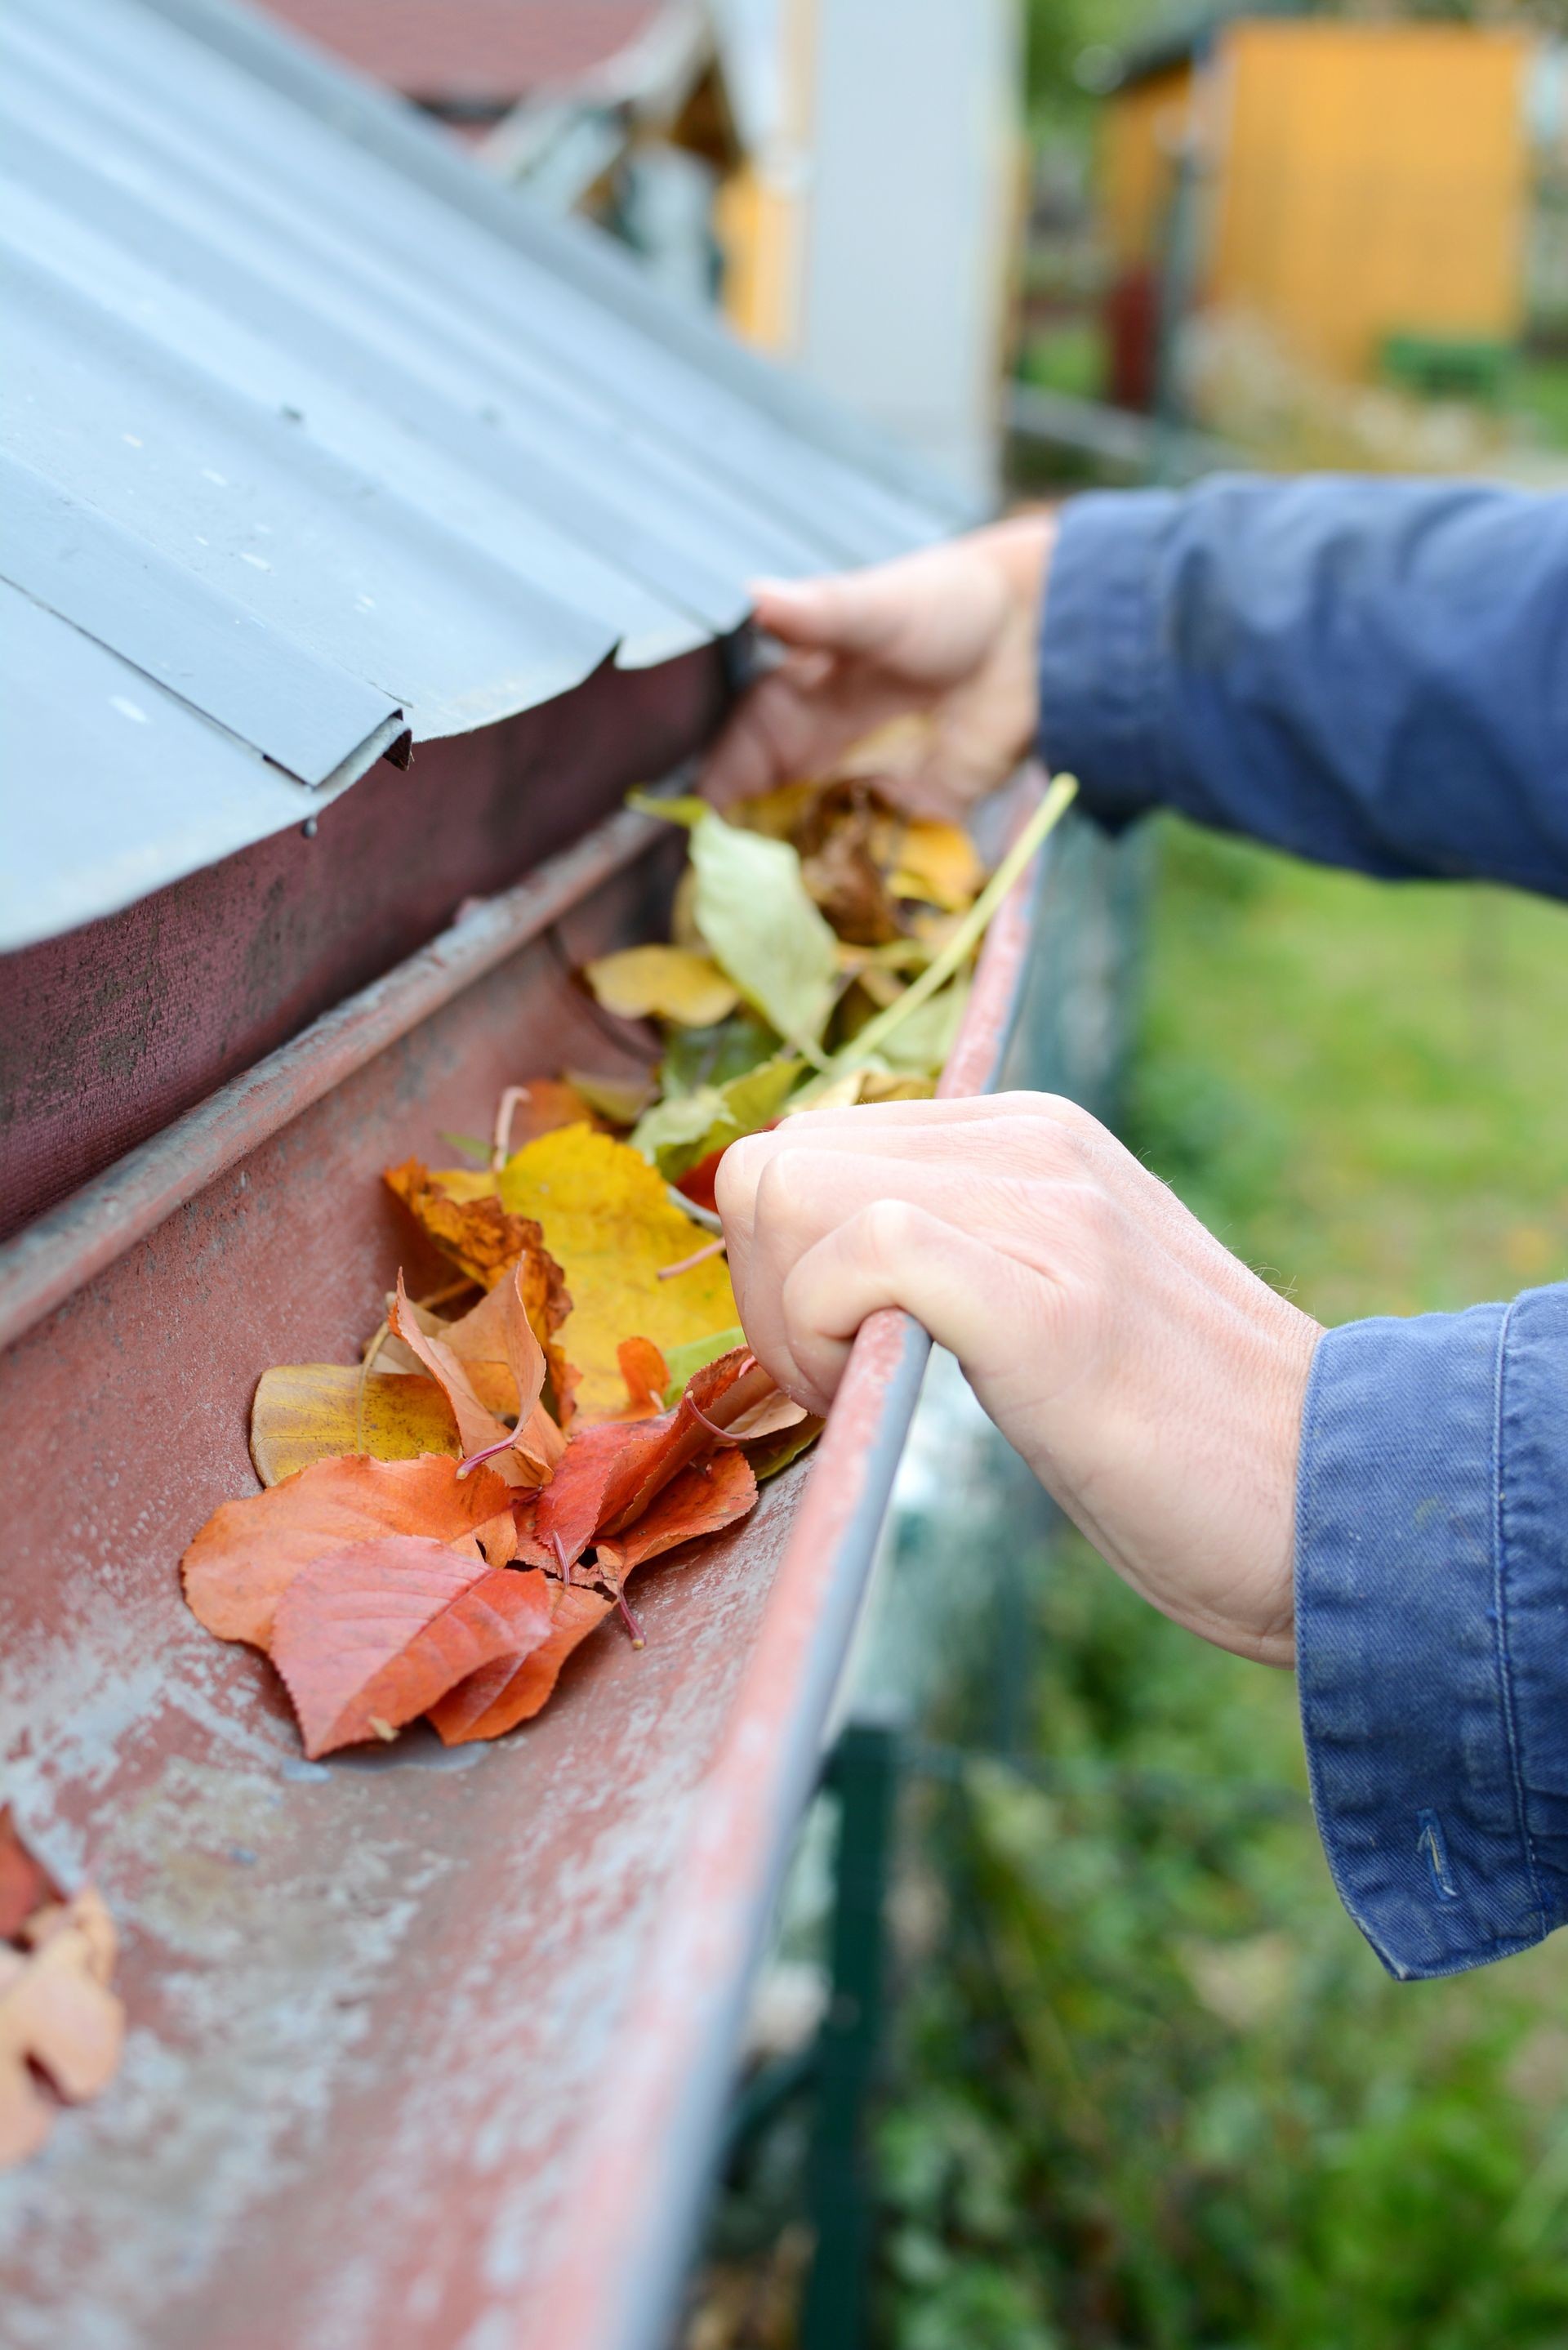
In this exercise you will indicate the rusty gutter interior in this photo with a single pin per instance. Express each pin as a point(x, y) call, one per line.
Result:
point(426, 2046)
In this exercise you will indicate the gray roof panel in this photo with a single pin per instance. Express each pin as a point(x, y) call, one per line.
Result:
point(303, 715)
point(311, 423)
point(154, 788)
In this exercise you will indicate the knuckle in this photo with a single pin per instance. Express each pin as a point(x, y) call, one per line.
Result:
point(739, 1171)
point(886, 1230)
point(775, 1181)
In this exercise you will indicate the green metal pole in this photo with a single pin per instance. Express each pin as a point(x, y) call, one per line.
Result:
point(864, 1773)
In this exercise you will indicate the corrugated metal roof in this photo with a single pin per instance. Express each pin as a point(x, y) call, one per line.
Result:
point(315, 435)
point(471, 52)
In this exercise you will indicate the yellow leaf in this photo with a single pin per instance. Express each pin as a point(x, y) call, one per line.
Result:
point(310, 1411)
point(778, 812)
point(608, 1219)
point(666, 981)
point(937, 863)
point(876, 1086)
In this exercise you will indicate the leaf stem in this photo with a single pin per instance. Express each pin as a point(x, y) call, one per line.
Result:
point(507, 1110)
point(697, 1256)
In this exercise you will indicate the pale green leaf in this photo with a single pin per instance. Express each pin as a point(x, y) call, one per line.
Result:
point(919, 1047)
point(680, 1132)
point(760, 925)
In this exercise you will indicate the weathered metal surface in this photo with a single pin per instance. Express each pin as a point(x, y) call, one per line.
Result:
point(107, 1034)
point(425, 2050)
point(340, 414)
point(674, 2056)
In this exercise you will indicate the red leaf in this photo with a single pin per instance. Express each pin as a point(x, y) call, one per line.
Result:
point(367, 1637)
point(700, 1501)
point(698, 1182)
point(499, 1696)
point(25, 1884)
point(610, 1472)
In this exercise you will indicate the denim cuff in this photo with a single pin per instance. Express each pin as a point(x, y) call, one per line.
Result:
point(1100, 659)
point(1432, 1627)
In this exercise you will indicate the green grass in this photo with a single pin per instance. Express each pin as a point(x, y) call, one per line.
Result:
point(1359, 1087)
point(1539, 392)
point(1070, 358)
point(1152, 2090)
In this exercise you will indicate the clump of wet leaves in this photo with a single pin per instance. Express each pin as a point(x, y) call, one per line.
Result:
point(444, 1523)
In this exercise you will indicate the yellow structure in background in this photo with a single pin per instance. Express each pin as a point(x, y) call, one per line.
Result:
point(1147, 124)
point(1353, 182)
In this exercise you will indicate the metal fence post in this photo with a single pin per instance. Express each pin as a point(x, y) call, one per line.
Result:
point(864, 1775)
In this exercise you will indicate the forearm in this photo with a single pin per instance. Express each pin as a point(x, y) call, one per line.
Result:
point(1369, 673)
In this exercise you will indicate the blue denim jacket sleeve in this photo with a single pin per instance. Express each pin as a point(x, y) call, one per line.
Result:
point(1371, 673)
point(1375, 674)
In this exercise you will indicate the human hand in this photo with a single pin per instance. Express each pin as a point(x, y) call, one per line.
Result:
point(1153, 1384)
point(949, 634)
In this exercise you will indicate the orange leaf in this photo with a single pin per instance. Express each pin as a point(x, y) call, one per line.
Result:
point(478, 1429)
point(366, 1638)
point(484, 1240)
point(500, 1331)
point(647, 1375)
point(58, 2020)
point(701, 1500)
point(522, 1456)
point(25, 1884)
point(497, 1538)
point(249, 1551)
point(499, 1696)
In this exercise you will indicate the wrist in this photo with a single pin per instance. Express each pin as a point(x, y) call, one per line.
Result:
point(1021, 548)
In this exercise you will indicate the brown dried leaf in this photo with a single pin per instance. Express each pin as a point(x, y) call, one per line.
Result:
point(478, 1235)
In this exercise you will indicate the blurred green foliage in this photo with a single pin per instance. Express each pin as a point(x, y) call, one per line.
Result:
point(1150, 2087)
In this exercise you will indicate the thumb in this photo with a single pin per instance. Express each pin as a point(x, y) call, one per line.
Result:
point(850, 612)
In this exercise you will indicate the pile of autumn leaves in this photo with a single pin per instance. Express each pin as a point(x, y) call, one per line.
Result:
point(444, 1523)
